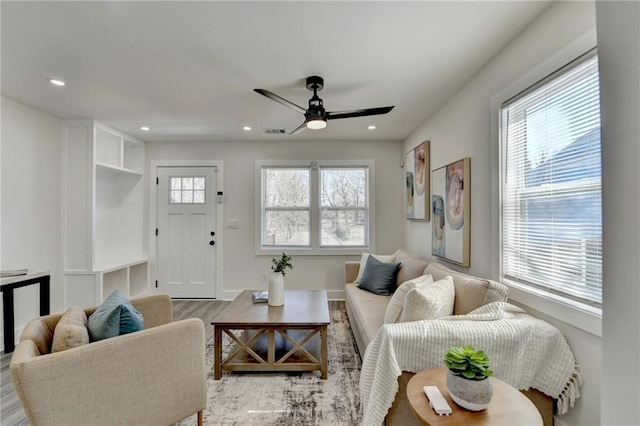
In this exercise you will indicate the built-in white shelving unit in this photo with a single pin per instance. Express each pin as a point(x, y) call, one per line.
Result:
point(103, 220)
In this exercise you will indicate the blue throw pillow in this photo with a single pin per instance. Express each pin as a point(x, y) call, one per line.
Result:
point(379, 277)
point(114, 317)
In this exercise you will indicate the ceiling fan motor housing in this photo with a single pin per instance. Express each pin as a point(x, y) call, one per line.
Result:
point(316, 108)
point(315, 83)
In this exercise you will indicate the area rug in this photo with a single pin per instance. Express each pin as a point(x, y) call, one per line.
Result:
point(255, 399)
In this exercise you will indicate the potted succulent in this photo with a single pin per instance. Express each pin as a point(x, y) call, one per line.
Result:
point(467, 378)
point(276, 281)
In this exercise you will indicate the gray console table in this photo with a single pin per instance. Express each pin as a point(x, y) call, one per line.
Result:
point(7, 285)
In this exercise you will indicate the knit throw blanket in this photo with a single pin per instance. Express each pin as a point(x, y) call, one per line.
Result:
point(523, 351)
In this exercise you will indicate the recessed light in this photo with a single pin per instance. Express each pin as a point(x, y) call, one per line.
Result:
point(372, 127)
point(56, 82)
point(145, 128)
point(246, 128)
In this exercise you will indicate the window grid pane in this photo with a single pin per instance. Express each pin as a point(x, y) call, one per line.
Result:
point(342, 202)
point(337, 215)
point(181, 190)
point(551, 185)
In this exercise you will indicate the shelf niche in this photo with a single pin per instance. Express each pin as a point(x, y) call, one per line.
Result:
point(104, 226)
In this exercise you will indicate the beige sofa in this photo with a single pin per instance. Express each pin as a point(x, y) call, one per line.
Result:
point(366, 311)
point(152, 377)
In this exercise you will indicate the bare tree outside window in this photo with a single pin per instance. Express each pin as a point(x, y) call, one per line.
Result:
point(287, 208)
point(343, 203)
point(319, 209)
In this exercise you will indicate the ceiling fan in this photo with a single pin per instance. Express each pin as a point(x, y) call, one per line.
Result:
point(315, 117)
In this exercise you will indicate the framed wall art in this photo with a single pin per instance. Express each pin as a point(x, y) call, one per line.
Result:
point(450, 207)
point(417, 182)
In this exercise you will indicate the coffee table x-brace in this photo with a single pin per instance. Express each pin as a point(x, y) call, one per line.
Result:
point(304, 316)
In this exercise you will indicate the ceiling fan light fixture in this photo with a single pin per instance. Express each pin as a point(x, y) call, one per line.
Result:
point(317, 123)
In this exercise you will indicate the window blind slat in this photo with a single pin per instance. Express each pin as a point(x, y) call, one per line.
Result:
point(551, 194)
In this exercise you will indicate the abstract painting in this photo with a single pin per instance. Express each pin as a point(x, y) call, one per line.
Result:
point(450, 206)
point(417, 182)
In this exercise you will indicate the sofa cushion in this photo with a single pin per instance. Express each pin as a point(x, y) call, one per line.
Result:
point(429, 302)
point(412, 267)
point(379, 277)
point(116, 316)
point(471, 292)
point(387, 258)
point(71, 331)
point(394, 308)
point(366, 314)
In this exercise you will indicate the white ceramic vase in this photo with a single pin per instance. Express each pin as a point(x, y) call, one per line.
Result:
point(474, 395)
point(276, 289)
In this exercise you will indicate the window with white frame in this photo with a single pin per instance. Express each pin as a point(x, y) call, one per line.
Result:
point(551, 201)
point(316, 209)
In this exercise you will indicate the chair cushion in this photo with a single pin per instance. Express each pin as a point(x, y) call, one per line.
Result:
point(429, 302)
point(412, 267)
point(394, 308)
point(379, 277)
point(116, 316)
point(387, 258)
point(71, 331)
point(471, 292)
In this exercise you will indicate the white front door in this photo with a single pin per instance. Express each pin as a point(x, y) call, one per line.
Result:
point(187, 234)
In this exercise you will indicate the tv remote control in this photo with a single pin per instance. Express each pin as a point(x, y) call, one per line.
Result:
point(437, 401)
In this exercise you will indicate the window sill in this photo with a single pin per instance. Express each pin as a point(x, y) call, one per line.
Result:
point(306, 251)
point(579, 315)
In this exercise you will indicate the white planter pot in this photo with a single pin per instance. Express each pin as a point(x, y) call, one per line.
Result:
point(276, 289)
point(473, 395)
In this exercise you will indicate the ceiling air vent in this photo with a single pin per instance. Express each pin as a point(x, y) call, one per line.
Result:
point(274, 131)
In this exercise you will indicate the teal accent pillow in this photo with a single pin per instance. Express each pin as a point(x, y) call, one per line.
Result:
point(116, 316)
point(379, 277)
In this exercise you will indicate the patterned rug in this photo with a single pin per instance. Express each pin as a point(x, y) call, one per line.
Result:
point(254, 399)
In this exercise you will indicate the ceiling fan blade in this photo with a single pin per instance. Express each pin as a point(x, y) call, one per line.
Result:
point(280, 100)
point(358, 113)
point(299, 128)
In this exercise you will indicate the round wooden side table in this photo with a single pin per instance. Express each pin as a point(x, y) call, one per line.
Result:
point(508, 406)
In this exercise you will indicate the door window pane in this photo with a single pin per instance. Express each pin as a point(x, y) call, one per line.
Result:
point(187, 190)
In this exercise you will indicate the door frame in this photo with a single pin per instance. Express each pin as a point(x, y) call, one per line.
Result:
point(153, 215)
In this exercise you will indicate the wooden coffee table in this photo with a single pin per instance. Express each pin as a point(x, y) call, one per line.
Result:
point(508, 405)
point(275, 338)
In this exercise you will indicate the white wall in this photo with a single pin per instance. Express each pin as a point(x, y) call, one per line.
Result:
point(462, 128)
point(619, 47)
point(242, 269)
point(31, 149)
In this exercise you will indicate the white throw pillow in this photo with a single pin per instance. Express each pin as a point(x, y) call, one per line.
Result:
point(394, 308)
point(429, 302)
point(363, 262)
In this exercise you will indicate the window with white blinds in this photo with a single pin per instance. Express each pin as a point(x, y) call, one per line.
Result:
point(551, 201)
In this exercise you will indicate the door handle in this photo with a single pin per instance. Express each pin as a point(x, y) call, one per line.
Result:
point(211, 243)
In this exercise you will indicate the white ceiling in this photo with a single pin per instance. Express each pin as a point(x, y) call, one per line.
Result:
point(188, 69)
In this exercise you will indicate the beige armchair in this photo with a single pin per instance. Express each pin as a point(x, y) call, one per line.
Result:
point(152, 377)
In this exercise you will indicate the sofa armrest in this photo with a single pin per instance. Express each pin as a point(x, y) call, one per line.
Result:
point(351, 269)
point(151, 377)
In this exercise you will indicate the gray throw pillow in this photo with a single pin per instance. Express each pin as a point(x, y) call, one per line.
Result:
point(115, 317)
point(379, 277)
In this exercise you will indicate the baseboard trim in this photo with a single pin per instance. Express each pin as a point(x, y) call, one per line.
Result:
point(331, 294)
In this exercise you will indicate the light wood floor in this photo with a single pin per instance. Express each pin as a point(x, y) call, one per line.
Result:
point(11, 413)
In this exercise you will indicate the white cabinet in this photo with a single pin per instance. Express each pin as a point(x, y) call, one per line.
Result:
point(103, 219)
